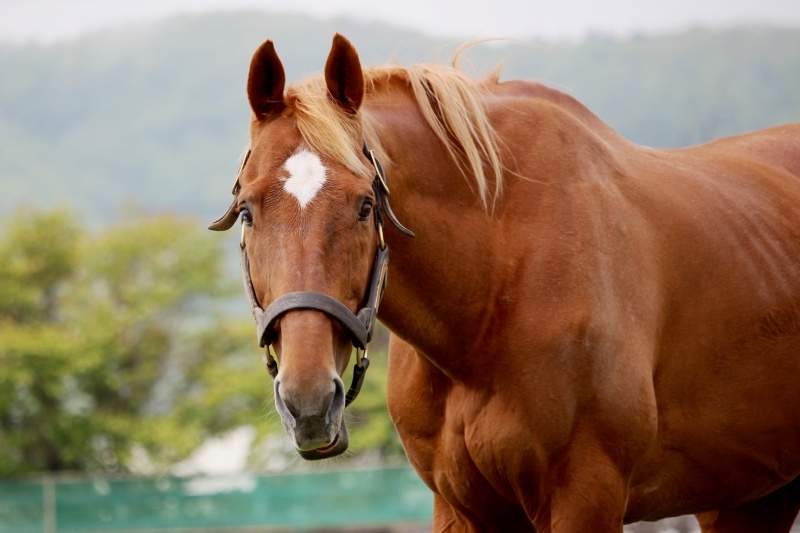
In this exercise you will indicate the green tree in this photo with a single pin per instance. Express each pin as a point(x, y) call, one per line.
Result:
point(37, 256)
point(124, 340)
point(117, 340)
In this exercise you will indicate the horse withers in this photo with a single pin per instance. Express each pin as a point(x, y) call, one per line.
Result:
point(586, 332)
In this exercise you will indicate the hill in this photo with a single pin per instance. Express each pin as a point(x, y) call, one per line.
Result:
point(156, 115)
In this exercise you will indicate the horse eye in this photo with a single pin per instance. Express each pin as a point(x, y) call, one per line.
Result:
point(364, 212)
point(247, 217)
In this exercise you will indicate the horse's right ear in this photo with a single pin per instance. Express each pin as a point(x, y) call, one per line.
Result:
point(265, 82)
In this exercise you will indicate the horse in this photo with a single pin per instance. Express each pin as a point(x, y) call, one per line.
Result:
point(584, 332)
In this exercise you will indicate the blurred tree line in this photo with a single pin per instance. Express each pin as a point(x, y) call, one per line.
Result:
point(123, 340)
point(157, 113)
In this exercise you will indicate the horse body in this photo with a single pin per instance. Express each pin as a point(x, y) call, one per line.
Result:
point(638, 311)
point(613, 337)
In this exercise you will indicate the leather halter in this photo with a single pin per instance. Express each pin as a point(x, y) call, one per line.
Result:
point(359, 326)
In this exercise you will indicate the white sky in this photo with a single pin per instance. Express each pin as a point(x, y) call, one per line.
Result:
point(51, 20)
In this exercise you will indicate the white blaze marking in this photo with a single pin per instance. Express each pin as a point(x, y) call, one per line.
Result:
point(307, 175)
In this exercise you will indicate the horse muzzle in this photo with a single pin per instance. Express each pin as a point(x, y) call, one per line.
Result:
point(314, 421)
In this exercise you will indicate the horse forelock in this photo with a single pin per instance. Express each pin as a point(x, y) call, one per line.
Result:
point(452, 103)
point(324, 126)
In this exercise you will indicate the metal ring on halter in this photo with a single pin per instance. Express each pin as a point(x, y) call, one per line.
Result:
point(380, 236)
point(270, 364)
point(361, 355)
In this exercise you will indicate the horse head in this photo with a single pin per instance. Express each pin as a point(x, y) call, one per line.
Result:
point(312, 250)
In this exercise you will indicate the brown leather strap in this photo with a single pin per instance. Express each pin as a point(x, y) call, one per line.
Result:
point(226, 221)
point(358, 327)
point(381, 190)
point(304, 300)
point(249, 291)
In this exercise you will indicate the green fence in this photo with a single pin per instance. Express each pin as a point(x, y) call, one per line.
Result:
point(344, 499)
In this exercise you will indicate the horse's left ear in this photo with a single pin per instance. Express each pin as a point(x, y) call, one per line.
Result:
point(343, 75)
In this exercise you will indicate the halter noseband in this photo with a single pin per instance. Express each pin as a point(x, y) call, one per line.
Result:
point(359, 326)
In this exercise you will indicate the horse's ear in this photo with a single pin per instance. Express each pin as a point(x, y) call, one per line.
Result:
point(343, 75)
point(265, 82)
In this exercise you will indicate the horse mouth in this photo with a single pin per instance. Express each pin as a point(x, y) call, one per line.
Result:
point(329, 447)
point(337, 447)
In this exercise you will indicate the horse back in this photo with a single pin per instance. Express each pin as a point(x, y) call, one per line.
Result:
point(778, 147)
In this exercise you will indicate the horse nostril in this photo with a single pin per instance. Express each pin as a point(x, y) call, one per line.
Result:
point(337, 402)
point(284, 408)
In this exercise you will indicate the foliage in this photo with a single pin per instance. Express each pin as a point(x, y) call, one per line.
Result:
point(124, 338)
point(112, 340)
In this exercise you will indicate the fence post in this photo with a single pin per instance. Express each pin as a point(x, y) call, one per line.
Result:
point(49, 494)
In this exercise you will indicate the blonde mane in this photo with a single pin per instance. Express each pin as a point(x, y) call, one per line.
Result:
point(451, 102)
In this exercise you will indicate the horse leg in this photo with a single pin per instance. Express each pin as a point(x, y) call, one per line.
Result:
point(774, 513)
point(446, 519)
point(454, 519)
point(590, 496)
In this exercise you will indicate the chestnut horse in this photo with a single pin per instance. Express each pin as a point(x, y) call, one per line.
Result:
point(586, 332)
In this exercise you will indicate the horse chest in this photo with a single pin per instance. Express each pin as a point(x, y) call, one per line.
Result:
point(459, 443)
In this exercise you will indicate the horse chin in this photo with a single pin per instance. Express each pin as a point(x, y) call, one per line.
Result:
point(337, 447)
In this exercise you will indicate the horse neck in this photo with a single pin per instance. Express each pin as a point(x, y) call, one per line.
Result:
point(454, 284)
point(440, 279)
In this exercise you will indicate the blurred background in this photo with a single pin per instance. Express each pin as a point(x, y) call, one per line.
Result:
point(132, 393)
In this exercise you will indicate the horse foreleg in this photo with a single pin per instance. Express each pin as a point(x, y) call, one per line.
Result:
point(590, 495)
point(774, 513)
point(447, 520)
